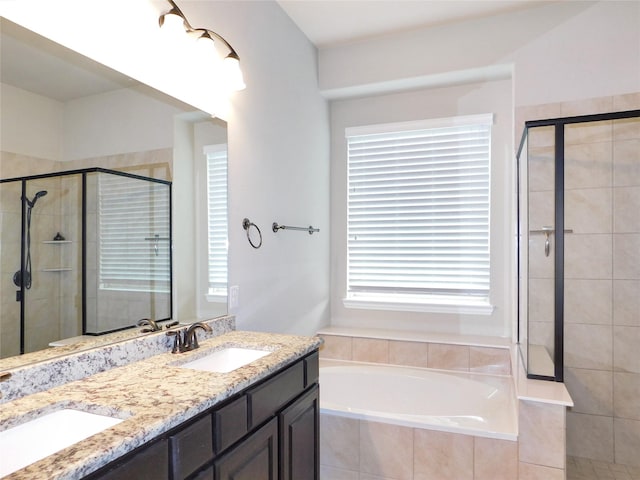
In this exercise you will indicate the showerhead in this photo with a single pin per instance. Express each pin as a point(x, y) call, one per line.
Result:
point(32, 203)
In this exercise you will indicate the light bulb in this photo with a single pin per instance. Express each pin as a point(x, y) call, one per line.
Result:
point(172, 24)
point(232, 73)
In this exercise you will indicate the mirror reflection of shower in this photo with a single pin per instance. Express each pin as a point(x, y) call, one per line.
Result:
point(18, 278)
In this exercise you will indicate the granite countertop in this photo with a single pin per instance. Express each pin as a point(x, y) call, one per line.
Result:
point(151, 396)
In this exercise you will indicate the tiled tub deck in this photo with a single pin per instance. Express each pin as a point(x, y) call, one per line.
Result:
point(354, 448)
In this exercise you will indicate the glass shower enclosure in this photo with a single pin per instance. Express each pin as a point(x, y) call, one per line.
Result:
point(83, 252)
point(574, 183)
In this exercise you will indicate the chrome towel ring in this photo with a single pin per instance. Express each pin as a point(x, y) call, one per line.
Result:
point(247, 224)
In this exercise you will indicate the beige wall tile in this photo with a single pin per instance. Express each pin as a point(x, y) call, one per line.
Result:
point(626, 302)
point(332, 473)
point(336, 347)
point(541, 333)
point(588, 165)
point(442, 456)
point(386, 450)
point(589, 132)
point(590, 436)
point(541, 209)
point(542, 434)
point(626, 128)
point(408, 353)
point(596, 248)
point(588, 301)
point(495, 459)
point(626, 345)
point(588, 346)
point(626, 211)
point(528, 471)
point(626, 256)
point(541, 167)
point(370, 350)
point(627, 101)
point(366, 476)
point(627, 441)
point(588, 210)
point(339, 442)
point(626, 163)
point(591, 390)
point(541, 295)
point(540, 266)
point(587, 107)
point(448, 357)
point(541, 137)
point(496, 361)
point(626, 394)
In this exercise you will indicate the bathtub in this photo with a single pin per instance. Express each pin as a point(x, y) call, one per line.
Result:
point(465, 403)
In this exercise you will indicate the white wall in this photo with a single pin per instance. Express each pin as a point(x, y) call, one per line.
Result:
point(561, 51)
point(278, 135)
point(26, 116)
point(489, 97)
point(278, 168)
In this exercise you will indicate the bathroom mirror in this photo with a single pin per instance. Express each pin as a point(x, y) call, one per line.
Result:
point(61, 111)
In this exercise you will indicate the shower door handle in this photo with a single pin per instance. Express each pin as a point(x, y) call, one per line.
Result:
point(547, 231)
point(156, 240)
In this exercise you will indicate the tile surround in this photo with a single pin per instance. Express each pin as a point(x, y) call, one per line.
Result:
point(418, 354)
point(384, 451)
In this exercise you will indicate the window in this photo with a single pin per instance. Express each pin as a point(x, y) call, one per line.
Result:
point(134, 237)
point(217, 224)
point(418, 215)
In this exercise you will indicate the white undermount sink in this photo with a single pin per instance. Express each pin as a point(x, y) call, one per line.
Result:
point(36, 439)
point(226, 360)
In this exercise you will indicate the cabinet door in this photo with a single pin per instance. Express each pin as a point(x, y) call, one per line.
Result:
point(191, 447)
point(149, 463)
point(299, 436)
point(256, 458)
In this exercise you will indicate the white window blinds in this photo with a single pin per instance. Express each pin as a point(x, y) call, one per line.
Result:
point(133, 237)
point(418, 208)
point(217, 218)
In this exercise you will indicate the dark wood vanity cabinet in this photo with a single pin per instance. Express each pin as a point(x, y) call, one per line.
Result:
point(267, 432)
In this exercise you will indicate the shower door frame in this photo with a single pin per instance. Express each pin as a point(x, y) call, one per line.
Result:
point(558, 234)
point(83, 173)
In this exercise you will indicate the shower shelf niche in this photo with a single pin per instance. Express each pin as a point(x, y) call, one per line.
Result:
point(57, 269)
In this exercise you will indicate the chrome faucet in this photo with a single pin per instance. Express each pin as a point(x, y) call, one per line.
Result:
point(153, 326)
point(150, 325)
point(186, 339)
point(191, 339)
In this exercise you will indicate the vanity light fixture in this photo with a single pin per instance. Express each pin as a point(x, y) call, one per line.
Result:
point(174, 19)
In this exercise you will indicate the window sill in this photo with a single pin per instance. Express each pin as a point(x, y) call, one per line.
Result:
point(424, 305)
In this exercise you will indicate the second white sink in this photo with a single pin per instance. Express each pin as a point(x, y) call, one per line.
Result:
point(29, 442)
point(226, 360)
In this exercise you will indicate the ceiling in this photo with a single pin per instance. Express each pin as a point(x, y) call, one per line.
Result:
point(332, 22)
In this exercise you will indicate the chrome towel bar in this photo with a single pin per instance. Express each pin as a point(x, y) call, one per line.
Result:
point(309, 229)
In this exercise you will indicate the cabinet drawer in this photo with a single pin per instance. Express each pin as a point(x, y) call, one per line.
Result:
point(267, 398)
point(229, 424)
point(311, 369)
point(191, 448)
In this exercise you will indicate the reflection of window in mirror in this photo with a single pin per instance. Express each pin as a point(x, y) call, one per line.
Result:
point(212, 227)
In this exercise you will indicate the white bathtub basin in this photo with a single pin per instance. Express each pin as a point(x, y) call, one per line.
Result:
point(226, 360)
point(36, 439)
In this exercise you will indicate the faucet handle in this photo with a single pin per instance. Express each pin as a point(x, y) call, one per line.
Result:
point(178, 342)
